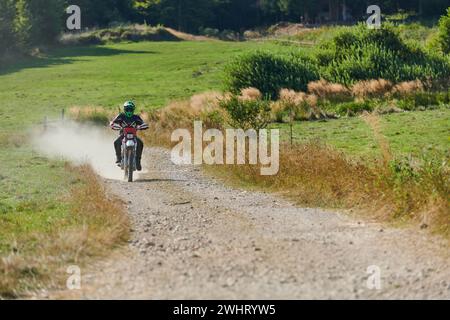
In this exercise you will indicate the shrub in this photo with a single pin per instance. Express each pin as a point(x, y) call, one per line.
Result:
point(278, 112)
point(422, 100)
point(209, 32)
point(213, 118)
point(117, 34)
point(269, 73)
point(444, 32)
point(96, 115)
point(229, 35)
point(247, 113)
point(354, 107)
point(361, 54)
point(299, 106)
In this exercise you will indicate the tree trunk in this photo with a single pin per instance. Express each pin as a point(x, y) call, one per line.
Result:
point(180, 16)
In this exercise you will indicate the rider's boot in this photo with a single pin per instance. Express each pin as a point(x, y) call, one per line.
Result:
point(118, 160)
point(138, 164)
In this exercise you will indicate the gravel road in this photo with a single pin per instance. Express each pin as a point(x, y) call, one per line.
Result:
point(194, 238)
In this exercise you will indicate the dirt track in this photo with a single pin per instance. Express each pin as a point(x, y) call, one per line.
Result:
point(193, 238)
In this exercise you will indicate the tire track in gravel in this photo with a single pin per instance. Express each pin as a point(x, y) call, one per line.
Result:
point(194, 238)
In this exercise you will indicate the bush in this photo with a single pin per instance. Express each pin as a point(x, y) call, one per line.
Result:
point(229, 35)
point(270, 72)
point(247, 113)
point(209, 32)
point(362, 54)
point(7, 32)
point(355, 107)
point(422, 100)
point(122, 33)
point(444, 32)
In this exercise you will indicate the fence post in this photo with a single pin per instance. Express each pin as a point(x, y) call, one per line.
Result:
point(63, 111)
point(45, 123)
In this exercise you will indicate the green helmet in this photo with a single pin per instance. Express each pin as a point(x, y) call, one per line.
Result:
point(129, 107)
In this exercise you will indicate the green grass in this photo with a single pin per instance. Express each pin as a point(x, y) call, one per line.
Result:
point(415, 32)
point(152, 73)
point(32, 193)
point(407, 133)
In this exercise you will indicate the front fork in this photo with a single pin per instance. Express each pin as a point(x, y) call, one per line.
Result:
point(125, 155)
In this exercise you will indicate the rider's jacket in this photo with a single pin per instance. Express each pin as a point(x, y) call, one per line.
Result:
point(124, 121)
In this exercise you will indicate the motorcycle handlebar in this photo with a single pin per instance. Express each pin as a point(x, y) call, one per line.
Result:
point(116, 126)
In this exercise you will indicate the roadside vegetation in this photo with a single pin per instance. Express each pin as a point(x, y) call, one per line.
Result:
point(42, 235)
point(371, 163)
point(365, 73)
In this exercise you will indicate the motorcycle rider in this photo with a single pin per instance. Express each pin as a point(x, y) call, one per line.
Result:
point(125, 119)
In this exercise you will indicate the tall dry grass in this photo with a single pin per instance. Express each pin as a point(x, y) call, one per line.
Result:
point(94, 114)
point(314, 174)
point(251, 94)
point(334, 92)
point(94, 225)
point(386, 188)
point(366, 89)
point(376, 88)
point(374, 122)
point(297, 106)
point(407, 88)
point(181, 115)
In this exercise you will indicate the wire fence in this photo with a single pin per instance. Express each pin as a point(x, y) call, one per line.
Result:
point(47, 123)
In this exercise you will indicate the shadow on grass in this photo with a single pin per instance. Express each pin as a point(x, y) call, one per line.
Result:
point(64, 56)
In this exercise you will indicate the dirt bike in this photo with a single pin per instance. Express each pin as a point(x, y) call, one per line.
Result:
point(129, 149)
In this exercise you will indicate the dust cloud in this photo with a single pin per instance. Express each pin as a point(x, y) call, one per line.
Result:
point(80, 144)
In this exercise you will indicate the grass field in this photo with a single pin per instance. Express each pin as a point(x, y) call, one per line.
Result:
point(407, 133)
point(152, 73)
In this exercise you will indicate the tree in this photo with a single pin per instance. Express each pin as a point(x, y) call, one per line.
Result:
point(236, 14)
point(38, 21)
point(103, 12)
point(22, 23)
point(46, 20)
point(444, 32)
point(184, 15)
point(7, 33)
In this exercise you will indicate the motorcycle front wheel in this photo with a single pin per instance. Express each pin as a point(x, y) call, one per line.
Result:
point(130, 165)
